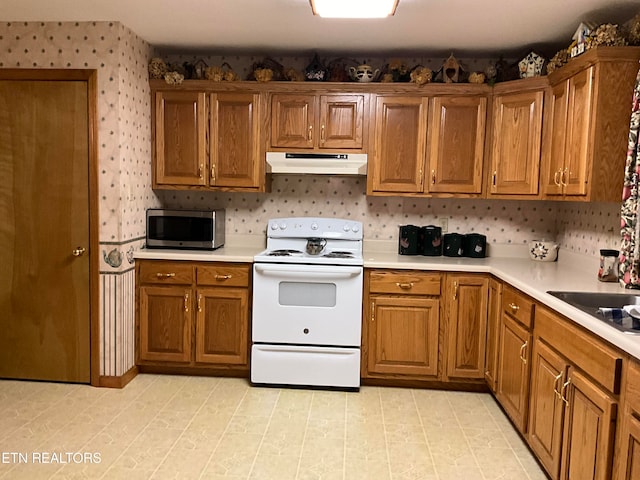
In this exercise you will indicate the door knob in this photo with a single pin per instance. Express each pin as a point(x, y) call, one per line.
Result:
point(79, 251)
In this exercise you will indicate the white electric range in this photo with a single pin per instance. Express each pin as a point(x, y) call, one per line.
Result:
point(307, 304)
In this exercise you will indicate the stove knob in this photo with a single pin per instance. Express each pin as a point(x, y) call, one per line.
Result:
point(355, 229)
point(346, 228)
point(274, 226)
point(283, 226)
point(314, 226)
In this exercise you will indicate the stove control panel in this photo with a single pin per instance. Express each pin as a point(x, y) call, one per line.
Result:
point(306, 227)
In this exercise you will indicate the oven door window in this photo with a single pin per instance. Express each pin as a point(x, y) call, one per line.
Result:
point(307, 294)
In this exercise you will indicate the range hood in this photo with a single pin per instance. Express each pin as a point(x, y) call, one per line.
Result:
point(317, 163)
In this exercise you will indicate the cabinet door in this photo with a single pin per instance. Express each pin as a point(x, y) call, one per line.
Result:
point(403, 336)
point(493, 334)
point(292, 120)
point(516, 144)
point(577, 150)
point(341, 121)
point(466, 325)
point(589, 426)
point(456, 144)
point(180, 138)
point(513, 371)
point(555, 139)
point(629, 463)
point(397, 163)
point(165, 324)
point(235, 140)
point(222, 326)
point(546, 408)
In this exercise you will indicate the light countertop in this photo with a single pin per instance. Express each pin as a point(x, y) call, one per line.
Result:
point(572, 272)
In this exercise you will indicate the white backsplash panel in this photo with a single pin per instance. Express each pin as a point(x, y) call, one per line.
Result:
point(587, 228)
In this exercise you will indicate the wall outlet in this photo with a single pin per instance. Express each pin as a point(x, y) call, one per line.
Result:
point(444, 224)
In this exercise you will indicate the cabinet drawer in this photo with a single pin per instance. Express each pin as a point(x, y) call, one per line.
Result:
point(166, 273)
point(224, 275)
point(406, 283)
point(517, 305)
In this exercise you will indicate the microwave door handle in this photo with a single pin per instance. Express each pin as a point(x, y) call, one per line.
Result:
point(307, 273)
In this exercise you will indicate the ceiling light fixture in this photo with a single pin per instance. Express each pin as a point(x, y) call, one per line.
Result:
point(354, 8)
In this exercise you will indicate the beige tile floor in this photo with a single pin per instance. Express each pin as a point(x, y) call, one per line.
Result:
point(170, 427)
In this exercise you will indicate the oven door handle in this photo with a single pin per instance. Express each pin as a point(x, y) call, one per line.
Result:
point(312, 273)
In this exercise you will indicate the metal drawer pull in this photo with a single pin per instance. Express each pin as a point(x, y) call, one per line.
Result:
point(555, 386)
point(522, 352)
point(222, 277)
point(514, 308)
point(165, 275)
point(405, 286)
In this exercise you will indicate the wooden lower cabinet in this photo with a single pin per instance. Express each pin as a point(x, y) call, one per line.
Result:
point(491, 357)
point(546, 409)
point(222, 322)
point(589, 427)
point(403, 336)
point(513, 370)
point(193, 315)
point(628, 448)
point(165, 323)
point(401, 325)
point(465, 331)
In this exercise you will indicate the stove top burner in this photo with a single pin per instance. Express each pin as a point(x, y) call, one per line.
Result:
point(284, 253)
point(338, 254)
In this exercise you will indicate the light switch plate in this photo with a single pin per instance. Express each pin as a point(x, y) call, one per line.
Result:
point(444, 224)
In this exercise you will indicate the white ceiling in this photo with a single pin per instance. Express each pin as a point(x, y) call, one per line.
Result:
point(469, 27)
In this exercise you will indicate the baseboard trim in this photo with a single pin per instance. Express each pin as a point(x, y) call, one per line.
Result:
point(118, 382)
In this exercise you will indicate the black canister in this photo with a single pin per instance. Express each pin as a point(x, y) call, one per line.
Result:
point(475, 245)
point(453, 245)
point(431, 240)
point(408, 240)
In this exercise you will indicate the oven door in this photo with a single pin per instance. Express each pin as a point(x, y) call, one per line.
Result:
point(307, 304)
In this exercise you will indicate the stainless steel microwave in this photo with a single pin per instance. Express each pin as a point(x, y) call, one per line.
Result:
point(188, 229)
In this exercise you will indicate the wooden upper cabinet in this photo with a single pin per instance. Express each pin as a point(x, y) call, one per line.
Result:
point(516, 141)
point(587, 125)
point(456, 144)
point(292, 120)
point(397, 161)
point(180, 138)
point(308, 121)
point(234, 140)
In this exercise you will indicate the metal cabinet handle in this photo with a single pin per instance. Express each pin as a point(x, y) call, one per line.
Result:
point(514, 308)
point(433, 177)
point(522, 352)
point(78, 251)
point(310, 133)
point(186, 302)
point(222, 277)
point(563, 394)
point(200, 170)
point(455, 290)
point(555, 178)
point(213, 173)
point(563, 177)
point(495, 174)
point(322, 137)
point(555, 386)
point(200, 303)
point(405, 286)
point(165, 275)
point(373, 311)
